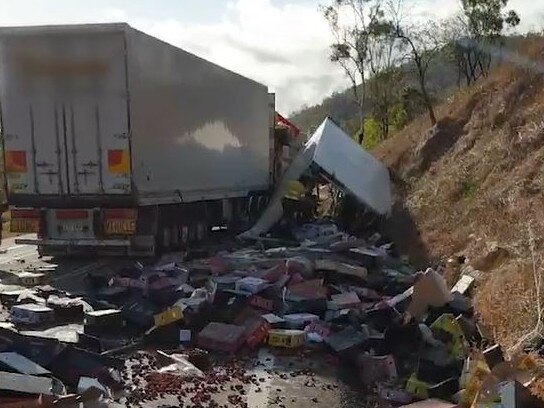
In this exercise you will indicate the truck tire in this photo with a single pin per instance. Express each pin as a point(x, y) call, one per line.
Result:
point(164, 240)
point(192, 233)
point(184, 235)
point(175, 234)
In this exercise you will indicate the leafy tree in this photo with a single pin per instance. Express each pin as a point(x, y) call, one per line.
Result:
point(399, 116)
point(385, 57)
point(353, 42)
point(425, 43)
point(412, 102)
point(478, 30)
point(372, 133)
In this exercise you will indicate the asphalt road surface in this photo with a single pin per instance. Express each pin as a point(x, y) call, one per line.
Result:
point(279, 389)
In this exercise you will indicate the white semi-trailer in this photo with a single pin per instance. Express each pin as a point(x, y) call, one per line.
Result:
point(115, 140)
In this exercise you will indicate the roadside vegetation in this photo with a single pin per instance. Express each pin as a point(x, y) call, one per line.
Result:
point(400, 66)
point(466, 155)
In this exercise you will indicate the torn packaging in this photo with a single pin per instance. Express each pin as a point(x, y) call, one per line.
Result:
point(109, 318)
point(342, 268)
point(300, 265)
point(276, 272)
point(178, 364)
point(493, 355)
point(256, 327)
point(319, 328)
point(411, 339)
point(430, 289)
point(383, 318)
point(88, 386)
point(251, 285)
point(300, 320)
point(347, 339)
point(222, 337)
point(73, 363)
point(28, 384)
point(274, 320)
point(139, 311)
point(422, 389)
point(102, 322)
point(164, 336)
point(67, 309)
point(344, 301)
point(256, 332)
point(511, 394)
point(31, 314)
point(225, 282)
point(522, 369)
point(447, 329)
point(41, 351)
point(17, 363)
point(431, 372)
point(464, 285)
point(310, 289)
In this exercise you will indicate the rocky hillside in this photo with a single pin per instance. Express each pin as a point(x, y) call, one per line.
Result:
point(473, 186)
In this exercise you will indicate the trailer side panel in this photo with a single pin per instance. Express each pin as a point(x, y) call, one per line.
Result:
point(199, 131)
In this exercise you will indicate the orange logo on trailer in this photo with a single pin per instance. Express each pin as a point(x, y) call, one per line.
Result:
point(15, 161)
point(118, 161)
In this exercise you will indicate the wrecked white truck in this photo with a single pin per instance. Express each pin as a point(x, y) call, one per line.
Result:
point(338, 159)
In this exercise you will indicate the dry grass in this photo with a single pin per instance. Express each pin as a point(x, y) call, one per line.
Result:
point(506, 303)
point(484, 189)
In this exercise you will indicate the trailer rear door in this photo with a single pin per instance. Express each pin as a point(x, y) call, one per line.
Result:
point(64, 110)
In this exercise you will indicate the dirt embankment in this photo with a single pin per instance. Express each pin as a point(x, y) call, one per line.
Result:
point(473, 185)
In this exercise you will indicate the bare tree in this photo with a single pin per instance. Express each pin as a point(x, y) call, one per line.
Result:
point(385, 57)
point(352, 41)
point(425, 43)
point(476, 31)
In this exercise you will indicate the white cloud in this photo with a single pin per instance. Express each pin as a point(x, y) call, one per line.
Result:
point(531, 13)
point(284, 47)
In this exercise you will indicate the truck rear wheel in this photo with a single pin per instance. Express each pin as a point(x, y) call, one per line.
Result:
point(175, 233)
point(166, 241)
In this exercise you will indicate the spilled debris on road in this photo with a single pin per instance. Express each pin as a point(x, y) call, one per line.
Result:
point(213, 326)
point(404, 334)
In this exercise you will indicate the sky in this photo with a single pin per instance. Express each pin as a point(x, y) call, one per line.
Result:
point(283, 44)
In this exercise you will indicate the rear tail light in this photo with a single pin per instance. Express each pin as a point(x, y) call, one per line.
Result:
point(25, 213)
point(72, 214)
point(25, 221)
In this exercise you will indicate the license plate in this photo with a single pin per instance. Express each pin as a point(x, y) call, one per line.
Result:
point(24, 225)
point(120, 227)
point(72, 227)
